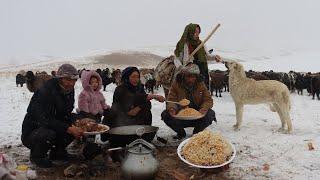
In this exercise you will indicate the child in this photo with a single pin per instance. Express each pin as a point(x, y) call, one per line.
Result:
point(91, 102)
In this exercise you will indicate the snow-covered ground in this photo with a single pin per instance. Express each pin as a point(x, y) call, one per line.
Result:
point(258, 143)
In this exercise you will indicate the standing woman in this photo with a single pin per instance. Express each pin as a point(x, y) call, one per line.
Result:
point(188, 43)
point(131, 104)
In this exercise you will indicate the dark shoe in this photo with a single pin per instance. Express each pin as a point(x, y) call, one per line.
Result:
point(63, 155)
point(91, 150)
point(179, 136)
point(42, 162)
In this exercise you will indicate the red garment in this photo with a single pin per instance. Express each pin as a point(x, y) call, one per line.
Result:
point(190, 48)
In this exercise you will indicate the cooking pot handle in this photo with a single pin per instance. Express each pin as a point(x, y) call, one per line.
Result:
point(141, 141)
point(115, 149)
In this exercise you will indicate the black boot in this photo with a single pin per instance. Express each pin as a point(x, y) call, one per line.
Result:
point(179, 136)
point(41, 162)
point(38, 155)
point(59, 154)
point(91, 150)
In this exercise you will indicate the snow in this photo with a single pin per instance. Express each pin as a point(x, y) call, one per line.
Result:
point(258, 142)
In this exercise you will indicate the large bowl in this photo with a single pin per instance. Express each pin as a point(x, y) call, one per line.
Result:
point(188, 117)
point(183, 143)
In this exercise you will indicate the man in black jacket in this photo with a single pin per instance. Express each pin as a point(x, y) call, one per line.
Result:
point(48, 122)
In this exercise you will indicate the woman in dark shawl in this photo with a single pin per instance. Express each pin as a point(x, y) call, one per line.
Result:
point(131, 104)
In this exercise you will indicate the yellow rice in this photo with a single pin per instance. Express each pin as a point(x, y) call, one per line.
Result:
point(207, 149)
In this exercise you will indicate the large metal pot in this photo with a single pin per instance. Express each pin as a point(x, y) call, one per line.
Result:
point(124, 135)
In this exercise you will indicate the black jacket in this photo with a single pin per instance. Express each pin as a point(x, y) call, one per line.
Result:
point(49, 107)
point(123, 101)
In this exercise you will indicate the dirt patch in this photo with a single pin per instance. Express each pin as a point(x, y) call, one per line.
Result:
point(171, 167)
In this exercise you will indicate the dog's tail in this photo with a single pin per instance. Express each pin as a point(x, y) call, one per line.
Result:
point(286, 99)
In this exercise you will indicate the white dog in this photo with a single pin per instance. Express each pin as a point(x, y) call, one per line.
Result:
point(249, 91)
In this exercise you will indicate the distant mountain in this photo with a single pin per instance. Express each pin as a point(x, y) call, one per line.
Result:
point(116, 60)
point(144, 59)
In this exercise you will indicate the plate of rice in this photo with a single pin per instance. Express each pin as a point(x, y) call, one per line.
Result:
point(188, 114)
point(206, 150)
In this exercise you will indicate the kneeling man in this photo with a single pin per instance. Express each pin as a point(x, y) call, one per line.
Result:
point(47, 125)
point(189, 85)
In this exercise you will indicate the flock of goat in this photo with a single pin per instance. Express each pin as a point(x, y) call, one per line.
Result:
point(293, 80)
point(34, 81)
point(219, 80)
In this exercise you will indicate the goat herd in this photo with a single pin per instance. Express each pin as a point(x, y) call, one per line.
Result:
point(293, 80)
point(218, 83)
point(34, 81)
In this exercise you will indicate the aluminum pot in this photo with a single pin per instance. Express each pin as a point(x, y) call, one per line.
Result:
point(124, 135)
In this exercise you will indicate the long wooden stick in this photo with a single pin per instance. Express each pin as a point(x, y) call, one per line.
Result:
point(203, 42)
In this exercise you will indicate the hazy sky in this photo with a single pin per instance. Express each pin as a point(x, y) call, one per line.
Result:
point(30, 29)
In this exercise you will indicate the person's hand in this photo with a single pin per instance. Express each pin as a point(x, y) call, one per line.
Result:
point(217, 58)
point(203, 111)
point(156, 97)
point(75, 131)
point(160, 98)
point(134, 111)
point(172, 111)
point(150, 96)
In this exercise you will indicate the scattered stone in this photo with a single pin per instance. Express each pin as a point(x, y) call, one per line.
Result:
point(75, 169)
point(20, 145)
point(266, 167)
point(7, 146)
point(310, 146)
point(15, 154)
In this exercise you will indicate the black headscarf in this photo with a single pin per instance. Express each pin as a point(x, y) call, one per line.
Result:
point(125, 80)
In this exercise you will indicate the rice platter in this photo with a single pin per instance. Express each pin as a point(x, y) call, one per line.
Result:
point(207, 149)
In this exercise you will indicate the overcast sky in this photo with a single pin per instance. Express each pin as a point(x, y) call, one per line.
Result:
point(31, 29)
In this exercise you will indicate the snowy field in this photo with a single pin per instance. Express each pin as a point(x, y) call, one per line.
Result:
point(258, 143)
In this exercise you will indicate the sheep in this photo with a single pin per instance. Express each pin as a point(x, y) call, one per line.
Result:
point(34, 82)
point(150, 85)
point(217, 82)
point(315, 86)
point(20, 80)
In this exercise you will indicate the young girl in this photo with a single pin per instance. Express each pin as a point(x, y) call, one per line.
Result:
point(91, 102)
